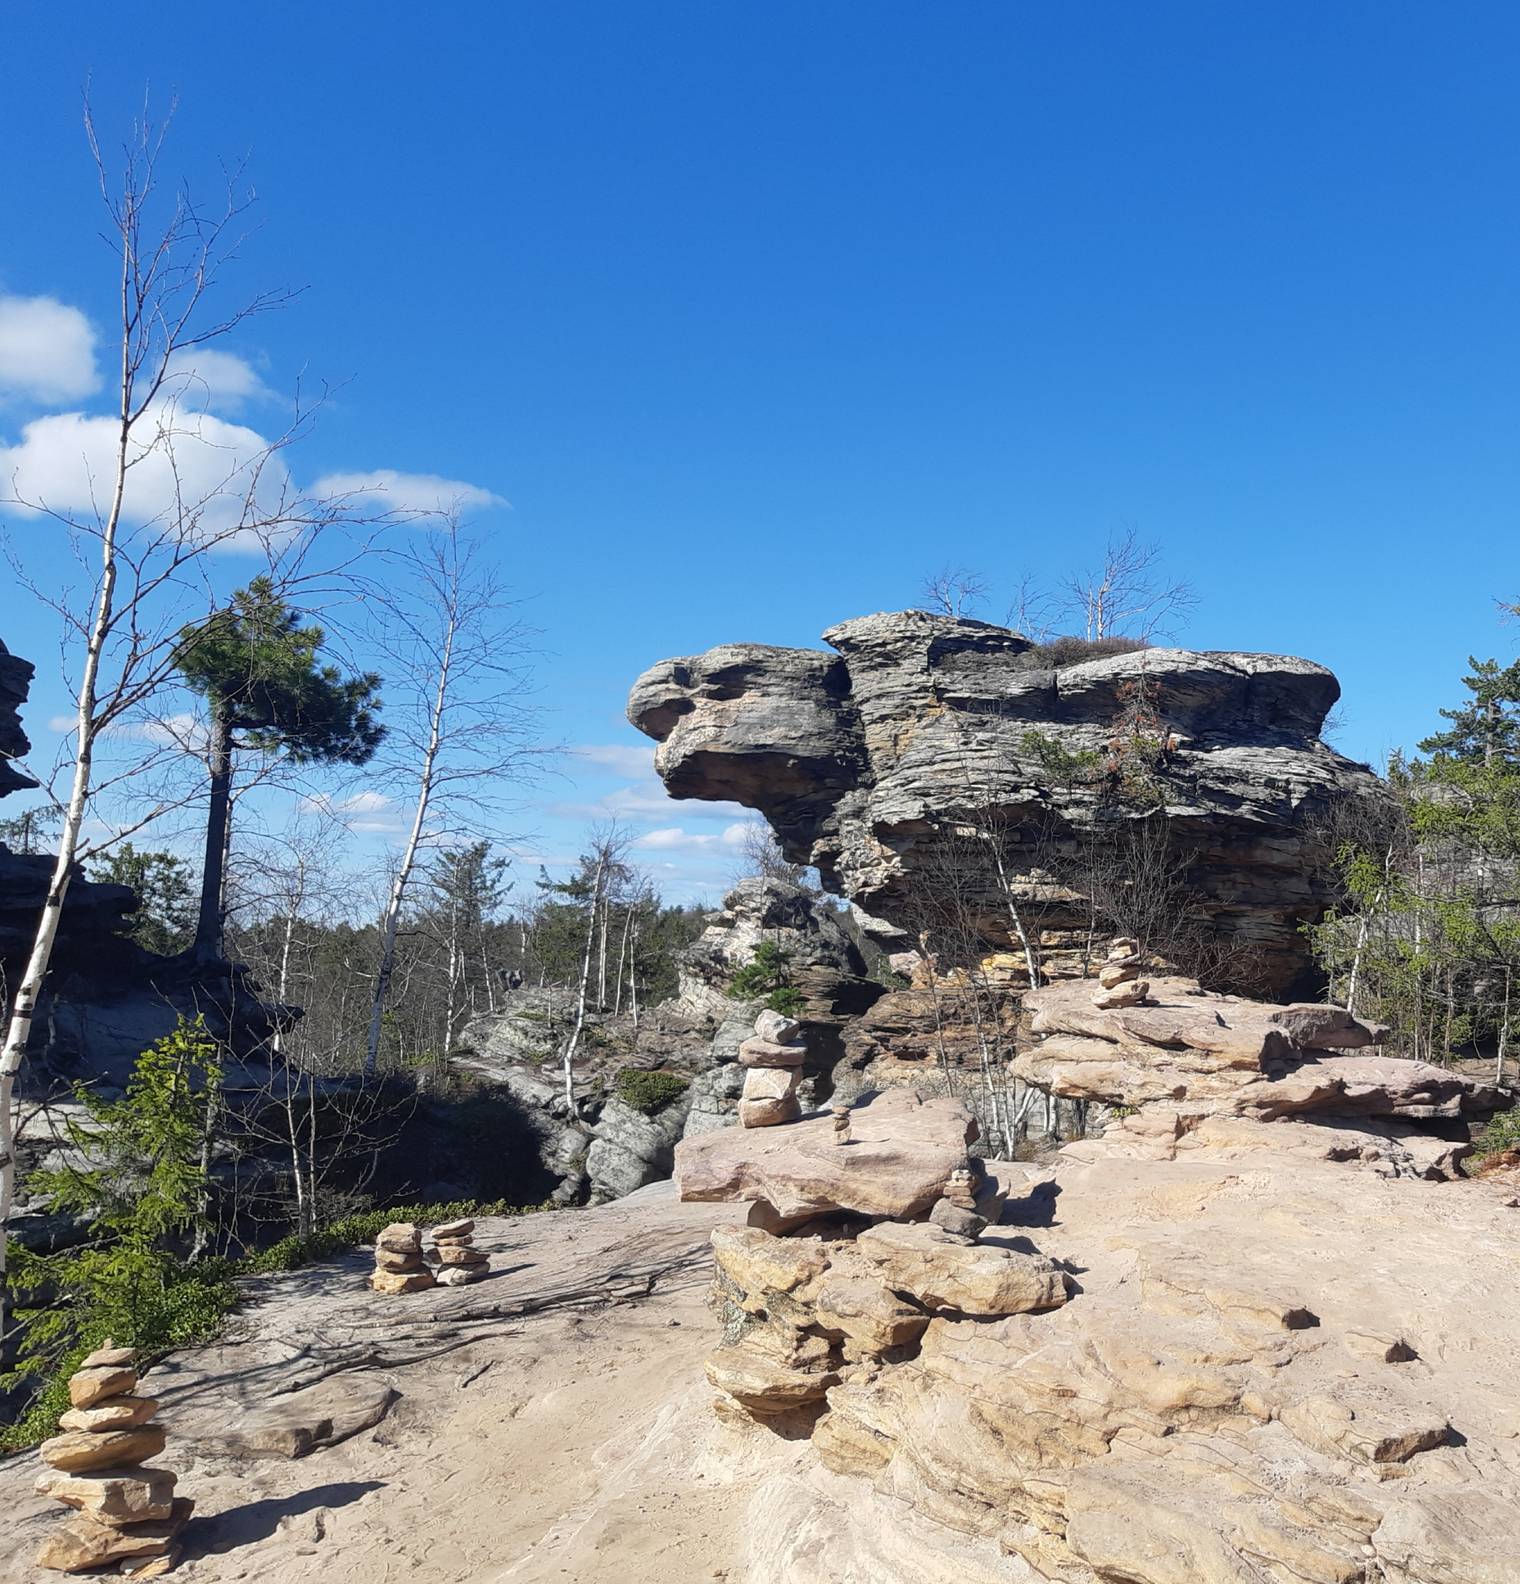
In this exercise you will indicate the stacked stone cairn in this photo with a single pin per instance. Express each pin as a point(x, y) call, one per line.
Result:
point(399, 1266)
point(841, 1114)
point(1119, 981)
point(955, 1213)
point(459, 1262)
point(126, 1514)
point(773, 1069)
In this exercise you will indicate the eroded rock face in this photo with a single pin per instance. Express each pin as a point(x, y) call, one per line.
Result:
point(1270, 1373)
point(862, 759)
point(1188, 1063)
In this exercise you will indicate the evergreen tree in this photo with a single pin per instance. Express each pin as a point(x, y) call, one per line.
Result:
point(140, 1185)
point(165, 918)
point(1487, 727)
point(257, 668)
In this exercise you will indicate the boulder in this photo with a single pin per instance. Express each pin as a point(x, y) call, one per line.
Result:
point(764, 1385)
point(83, 1542)
point(903, 1149)
point(76, 1451)
point(90, 1383)
point(769, 1110)
point(940, 1271)
point(110, 1413)
point(393, 1283)
point(400, 1237)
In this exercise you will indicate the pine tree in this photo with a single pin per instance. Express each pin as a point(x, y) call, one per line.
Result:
point(1487, 727)
point(257, 668)
point(165, 916)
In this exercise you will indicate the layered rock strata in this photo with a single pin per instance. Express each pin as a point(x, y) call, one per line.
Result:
point(1277, 1345)
point(873, 762)
point(1191, 1065)
point(124, 1512)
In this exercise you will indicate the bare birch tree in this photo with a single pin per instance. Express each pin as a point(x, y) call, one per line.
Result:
point(171, 496)
point(1127, 594)
point(454, 654)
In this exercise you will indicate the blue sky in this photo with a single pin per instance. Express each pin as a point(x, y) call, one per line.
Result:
point(755, 315)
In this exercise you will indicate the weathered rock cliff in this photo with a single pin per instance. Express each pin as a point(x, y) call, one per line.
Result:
point(872, 761)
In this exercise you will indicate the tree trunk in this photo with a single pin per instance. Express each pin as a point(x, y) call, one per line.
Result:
point(580, 1003)
point(208, 927)
point(29, 991)
point(391, 919)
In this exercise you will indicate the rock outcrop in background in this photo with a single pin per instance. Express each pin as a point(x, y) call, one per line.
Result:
point(623, 1132)
point(870, 763)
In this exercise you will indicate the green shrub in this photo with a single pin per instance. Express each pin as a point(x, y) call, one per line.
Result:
point(771, 970)
point(648, 1092)
point(787, 1001)
point(142, 1191)
point(1502, 1133)
point(354, 1231)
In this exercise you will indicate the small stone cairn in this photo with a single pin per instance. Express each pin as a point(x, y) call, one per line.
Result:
point(126, 1514)
point(459, 1262)
point(773, 1062)
point(955, 1213)
point(840, 1110)
point(1119, 981)
point(399, 1267)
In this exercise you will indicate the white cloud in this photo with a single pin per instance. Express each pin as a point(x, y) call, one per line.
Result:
point(673, 838)
point(409, 492)
point(627, 759)
point(205, 377)
point(181, 730)
point(362, 811)
point(191, 471)
point(47, 351)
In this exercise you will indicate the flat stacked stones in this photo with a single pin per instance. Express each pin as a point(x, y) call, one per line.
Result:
point(1119, 981)
point(125, 1513)
point(956, 1213)
point(399, 1267)
point(459, 1262)
point(840, 1111)
point(773, 1069)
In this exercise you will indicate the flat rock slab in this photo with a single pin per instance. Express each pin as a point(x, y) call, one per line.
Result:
point(321, 1416)
point(902, 1150)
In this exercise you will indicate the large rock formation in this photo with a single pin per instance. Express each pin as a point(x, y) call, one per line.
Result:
point(871, 763)
point(1257, 1333)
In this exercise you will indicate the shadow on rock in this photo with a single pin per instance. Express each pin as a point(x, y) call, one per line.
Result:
point(241, 1526)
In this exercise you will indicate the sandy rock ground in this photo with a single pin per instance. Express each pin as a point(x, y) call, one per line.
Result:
point(550, 1423)
point(546, 1426)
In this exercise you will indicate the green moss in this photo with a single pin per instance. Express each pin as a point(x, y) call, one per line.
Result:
point(648, 1092)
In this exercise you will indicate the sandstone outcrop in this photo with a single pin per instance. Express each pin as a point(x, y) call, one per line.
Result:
point(1190, 1061)
point(866, 761)
point(902, 1151)
point(1233, 1340)
point(124, 1514)
point(609, 1148)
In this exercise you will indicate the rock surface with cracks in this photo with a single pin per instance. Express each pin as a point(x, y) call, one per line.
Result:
point(865, 761)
